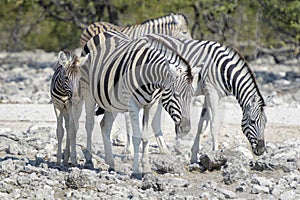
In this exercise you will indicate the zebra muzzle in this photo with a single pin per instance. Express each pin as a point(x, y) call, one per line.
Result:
point(259, 148)
point(183, 128)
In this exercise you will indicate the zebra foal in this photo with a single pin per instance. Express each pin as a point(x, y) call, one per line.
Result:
point(64, 92)
point(172, 24)
point(129, 75)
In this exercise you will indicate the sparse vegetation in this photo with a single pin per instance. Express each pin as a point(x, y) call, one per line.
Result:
point(254, 27)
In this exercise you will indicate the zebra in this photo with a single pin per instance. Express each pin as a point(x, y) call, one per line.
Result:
point(172, 24)
point(64, 92)
point(225, 73)
point(129, 75)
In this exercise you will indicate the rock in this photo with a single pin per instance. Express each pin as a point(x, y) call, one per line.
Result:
point(235, 168)
point(289, 195)
point(168, 164)
point(263, 181)
point(150, 181)
point(257, 189)
point(205, 195)
point(227, 193)
point(261, 166)
point(213, 161)
point(74, 179)
point(7, 165)
point(242, 187)
point(15, 149)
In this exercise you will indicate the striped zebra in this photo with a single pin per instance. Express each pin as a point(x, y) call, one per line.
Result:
point(172, 24)
point(129, 75)
point(225, 73)
point(64, 92)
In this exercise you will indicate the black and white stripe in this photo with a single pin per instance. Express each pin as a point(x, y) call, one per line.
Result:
point(128, 75)
point(172, 24)
point(225, 73)
point(64, 92)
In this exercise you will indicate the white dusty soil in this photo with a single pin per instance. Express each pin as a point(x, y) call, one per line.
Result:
point(28, 144)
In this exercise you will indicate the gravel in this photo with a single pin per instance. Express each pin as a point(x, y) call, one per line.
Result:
point(28, 147)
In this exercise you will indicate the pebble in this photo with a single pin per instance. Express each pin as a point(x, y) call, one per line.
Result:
point(27, 161)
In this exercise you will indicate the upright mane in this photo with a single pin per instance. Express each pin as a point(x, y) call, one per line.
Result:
point(246, 65)
point(170, 18)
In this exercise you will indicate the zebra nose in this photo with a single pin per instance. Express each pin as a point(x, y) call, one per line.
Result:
point(259, 148)
point(183, 128)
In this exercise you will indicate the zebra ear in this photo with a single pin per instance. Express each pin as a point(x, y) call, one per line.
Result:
point(174, 70)
point(62, 59)
point(175, 18)
point(82, 60)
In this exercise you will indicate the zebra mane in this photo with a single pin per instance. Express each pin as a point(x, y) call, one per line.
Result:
point(246, 64)
point(98, 39)
point(255, 84)
point(171, 18)
point(159, 40)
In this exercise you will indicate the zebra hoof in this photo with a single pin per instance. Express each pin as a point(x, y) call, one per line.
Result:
point(88, 165)
point(136, 175)
point(111, 169)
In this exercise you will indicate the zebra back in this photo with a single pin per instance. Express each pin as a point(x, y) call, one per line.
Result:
point(143, 58)
point(172, 24)
point(228, 73)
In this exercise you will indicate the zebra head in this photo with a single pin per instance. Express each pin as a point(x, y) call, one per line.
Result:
point(253, 124)
point(71, 64)
point(181, 26)
point(177, 100)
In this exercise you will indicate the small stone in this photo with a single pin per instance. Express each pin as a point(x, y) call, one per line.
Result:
point(213, 160)
point(150, 181)
point(264, 182)
point(7, 165)
point(227, 193)
point(257, 189)
point(15, 149)
point(168, 164)
point(289, 195)
point(205, 195)
point(74, 179)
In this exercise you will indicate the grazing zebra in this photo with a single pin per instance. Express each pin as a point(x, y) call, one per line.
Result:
point(172, 24)
point(130, 75)
point(225, 73)
point(64, 92)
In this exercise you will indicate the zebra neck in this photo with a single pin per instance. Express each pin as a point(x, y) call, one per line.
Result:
point(245, 94)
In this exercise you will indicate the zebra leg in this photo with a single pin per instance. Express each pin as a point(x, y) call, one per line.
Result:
point(72, 131)
point(136, 137)
point(129, 145)
point(147, 121)
point(203, 118)
point(212, 105)
point(67, 148)
point(156, 126)
point(89, 126)
point(106, 126)
point(59, 134)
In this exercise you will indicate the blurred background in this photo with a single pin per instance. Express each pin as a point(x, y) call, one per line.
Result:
point(255, 28)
